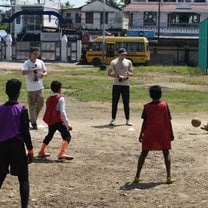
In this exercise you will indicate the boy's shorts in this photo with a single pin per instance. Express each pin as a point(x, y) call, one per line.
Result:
point(13, 158)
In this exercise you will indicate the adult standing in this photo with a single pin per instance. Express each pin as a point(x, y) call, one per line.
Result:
point(120, 69)
point(35, 70)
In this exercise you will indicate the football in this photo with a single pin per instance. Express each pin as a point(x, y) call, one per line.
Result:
point(196, 122)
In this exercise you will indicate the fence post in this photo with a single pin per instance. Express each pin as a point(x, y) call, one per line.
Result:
point(64, 55)
point(79, 50)
point(9, 47)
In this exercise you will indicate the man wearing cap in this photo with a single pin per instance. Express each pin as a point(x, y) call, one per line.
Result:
point(120, 69)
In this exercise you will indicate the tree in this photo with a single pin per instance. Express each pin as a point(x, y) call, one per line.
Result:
point(67, 5)
point(118, 4)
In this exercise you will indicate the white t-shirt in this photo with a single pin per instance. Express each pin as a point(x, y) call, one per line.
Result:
point(60, 106)
point(30, 83)
point(121, 67)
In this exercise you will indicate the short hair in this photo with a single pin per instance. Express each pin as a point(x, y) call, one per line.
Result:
point(122, 51)
point(13, 87)
point(56, 86)
point(34, 49)
point(155, 92)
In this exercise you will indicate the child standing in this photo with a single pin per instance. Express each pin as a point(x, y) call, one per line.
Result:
point(56, 118)
point(156, 132)
point(14, 132)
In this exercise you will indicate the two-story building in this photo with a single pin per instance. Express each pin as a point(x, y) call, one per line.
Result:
point(32, 17)
point(175, 24)
point(90, 19)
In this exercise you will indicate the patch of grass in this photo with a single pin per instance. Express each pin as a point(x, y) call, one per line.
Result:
point(92, 84)
point(169, 69)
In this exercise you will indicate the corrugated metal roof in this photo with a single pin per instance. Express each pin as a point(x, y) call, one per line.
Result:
point(165, 7)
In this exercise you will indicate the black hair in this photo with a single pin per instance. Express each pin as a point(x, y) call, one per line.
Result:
point(155, 92)
point(56, 86)
point(13, 87)
point(34, 49)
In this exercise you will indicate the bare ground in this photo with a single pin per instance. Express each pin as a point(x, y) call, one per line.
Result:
point(105, 161)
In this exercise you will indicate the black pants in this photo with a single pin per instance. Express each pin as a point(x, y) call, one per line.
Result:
point(52, 129)
point(124, 92)
point(13, 160)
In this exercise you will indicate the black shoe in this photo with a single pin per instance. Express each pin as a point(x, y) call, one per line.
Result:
point(34, 127)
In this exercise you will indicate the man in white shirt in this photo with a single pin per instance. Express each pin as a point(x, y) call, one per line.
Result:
point(120, 69)
point(34, 69)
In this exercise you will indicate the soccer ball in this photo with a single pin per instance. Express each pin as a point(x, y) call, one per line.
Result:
point(196, 122)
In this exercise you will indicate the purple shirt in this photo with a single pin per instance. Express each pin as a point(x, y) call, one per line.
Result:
point(10, 121)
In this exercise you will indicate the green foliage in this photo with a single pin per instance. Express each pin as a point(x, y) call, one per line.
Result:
point(4, 26)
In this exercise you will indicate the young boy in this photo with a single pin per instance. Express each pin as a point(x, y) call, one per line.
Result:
point(56, 118)
point(14, 132)
point(156, 132)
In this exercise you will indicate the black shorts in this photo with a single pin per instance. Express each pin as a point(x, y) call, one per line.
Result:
point(13, 158)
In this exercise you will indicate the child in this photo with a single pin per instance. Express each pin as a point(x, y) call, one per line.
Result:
point(56, 118)
point(156, 132)
point(14, 132)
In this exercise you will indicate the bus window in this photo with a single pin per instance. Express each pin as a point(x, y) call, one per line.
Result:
point(110, 50)
point(96, 46)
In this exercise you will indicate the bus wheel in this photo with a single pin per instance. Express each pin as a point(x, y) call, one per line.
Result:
point(146, 63)
point(96, 62)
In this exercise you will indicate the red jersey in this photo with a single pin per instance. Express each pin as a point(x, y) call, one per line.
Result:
point(51, 115)
point(157, 133)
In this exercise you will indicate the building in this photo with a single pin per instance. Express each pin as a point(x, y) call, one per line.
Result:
point(175, 24)
point(32, 17)
point(89, 19)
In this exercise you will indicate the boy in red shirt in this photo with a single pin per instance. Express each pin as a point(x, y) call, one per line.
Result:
point(156, 132)
point(56, 118)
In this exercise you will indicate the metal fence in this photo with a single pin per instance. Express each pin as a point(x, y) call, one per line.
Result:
point(2, 50)
point(49, 50)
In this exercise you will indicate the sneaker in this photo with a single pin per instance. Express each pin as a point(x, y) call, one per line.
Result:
point(113, 122)
point(170, 180)
point(43, 154)
point(136, 180)
point(128, 123)
point(65, 157)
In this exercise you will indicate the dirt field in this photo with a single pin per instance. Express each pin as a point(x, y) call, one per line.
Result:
point(104, 165)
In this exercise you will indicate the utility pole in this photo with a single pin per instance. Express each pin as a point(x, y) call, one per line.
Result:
point(158, 20)
point(103, 66)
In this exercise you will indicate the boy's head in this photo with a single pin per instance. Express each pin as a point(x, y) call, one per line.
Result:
point(13, 87)
point(34, 52)
point(155, 92)
point(56, 86)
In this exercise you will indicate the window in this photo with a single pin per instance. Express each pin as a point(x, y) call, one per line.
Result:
point(106, 18)
point(68, 15)
point(96, 46)
point(130, 46)
point(183, 19)
point(49, 18)
point(89, 17)
point(77, 18)
point(150, 18)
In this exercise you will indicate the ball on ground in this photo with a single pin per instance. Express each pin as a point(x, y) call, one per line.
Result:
point(196, 122)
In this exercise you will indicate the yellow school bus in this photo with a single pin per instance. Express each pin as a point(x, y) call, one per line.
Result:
point(137, 49)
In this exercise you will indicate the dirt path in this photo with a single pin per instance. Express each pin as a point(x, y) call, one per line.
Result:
point(104, 165)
